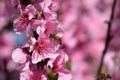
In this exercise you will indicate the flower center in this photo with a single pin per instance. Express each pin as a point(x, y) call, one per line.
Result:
point(24, 17)
point(39, 46)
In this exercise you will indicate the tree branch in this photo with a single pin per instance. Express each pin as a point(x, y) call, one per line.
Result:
point(108, 38)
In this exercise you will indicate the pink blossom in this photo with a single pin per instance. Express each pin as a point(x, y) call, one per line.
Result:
point(19, 56)
point(22, 22)
point(58, 67)
point(43, 48)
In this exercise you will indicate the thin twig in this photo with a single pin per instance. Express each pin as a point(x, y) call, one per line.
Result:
point(108, 38)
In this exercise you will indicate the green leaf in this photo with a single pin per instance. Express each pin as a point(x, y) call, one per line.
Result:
point(68, 65)
point(53, 76)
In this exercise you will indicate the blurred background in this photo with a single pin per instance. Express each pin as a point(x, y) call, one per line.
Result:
point(85, 29)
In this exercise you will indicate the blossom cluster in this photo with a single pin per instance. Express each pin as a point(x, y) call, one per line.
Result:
point(41, 57)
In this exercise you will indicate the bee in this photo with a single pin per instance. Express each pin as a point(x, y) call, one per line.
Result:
point(39, 14)
point(103, 76)
point(56, 38)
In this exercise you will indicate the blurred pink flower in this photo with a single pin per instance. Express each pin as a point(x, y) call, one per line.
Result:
point(7, 44)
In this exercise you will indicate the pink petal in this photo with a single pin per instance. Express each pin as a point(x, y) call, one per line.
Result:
point(19, 56)
point(19, 26)
point(51, 27)
point(64, 75)
point(30, 9)
point(36, 57)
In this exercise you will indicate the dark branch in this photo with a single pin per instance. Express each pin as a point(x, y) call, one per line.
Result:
point(108, 38)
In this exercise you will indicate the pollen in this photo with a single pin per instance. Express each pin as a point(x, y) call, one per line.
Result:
point(38, 14)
